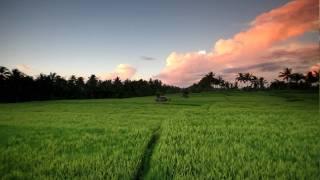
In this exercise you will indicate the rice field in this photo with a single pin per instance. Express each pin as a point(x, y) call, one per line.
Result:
point(218, 135)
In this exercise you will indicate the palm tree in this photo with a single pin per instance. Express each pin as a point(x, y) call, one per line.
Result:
point(262, 82)
point(240, 77)
point(276, 84)
point(312, 77)
point(4, 73)
point(220, 82)
point(16, 74)
point(285, 74)
point(52, 77)
point(244, 77)
point(17, 84)
point(253, 80)
point(72, 80)
point(235, 86)
point(207, 81)
point(296, 77)
point(92, 85)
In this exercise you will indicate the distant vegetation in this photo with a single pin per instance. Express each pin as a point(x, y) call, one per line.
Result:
point(15, 86)
point(248, 81)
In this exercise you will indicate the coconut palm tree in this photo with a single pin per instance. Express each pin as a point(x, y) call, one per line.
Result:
point(207, 81)
point(4, 73)
point(240, 77)
point(296, 77)
point(244, 78)
point(248, 78)
point(52, 77)
point(285, 75)
point(16, 74)
point(220, 82)
point(253, 80)
point(262, 82)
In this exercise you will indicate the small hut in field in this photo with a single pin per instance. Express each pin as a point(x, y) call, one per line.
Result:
point(161, 98)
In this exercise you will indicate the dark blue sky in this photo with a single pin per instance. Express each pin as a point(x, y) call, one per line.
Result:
point(83, 37)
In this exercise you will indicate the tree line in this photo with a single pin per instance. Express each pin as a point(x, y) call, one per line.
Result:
point(15, 86)
point(248, 81)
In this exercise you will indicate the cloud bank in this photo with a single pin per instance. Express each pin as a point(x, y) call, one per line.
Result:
point(257, 49)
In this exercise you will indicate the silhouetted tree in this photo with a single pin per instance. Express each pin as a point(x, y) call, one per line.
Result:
point(17, 81)
point(92, 85)
point(81, 87)
point(285, 75)
point(206, 82)
point(241, 78)
point(4, 73)
point(210, 82)
point(16, 86)
point(312, 77)
point(276, 84)
point(235, 86)
point(254, 81)
point(246, 77)
point(296, 77)
point(262, 82)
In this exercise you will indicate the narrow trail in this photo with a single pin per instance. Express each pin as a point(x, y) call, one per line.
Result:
point(145, 162)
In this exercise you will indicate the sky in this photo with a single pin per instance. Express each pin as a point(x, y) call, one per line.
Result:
point(176, 41)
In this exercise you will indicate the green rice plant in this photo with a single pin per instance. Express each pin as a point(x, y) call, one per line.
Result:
point(216, 135)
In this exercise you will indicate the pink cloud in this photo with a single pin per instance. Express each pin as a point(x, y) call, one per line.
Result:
point(315, 67)
point(124, 71)
point(244, 48)
point(26, 69)
point(297, 52)
point(297, 56)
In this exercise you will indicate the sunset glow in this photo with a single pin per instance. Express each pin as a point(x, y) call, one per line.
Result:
point(38, 38)
point(249, 47)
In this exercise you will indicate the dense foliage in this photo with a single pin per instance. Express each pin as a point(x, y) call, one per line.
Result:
point(16, 86)
point(248, 81)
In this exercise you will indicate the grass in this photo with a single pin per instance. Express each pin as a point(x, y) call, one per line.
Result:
point(221, 135)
